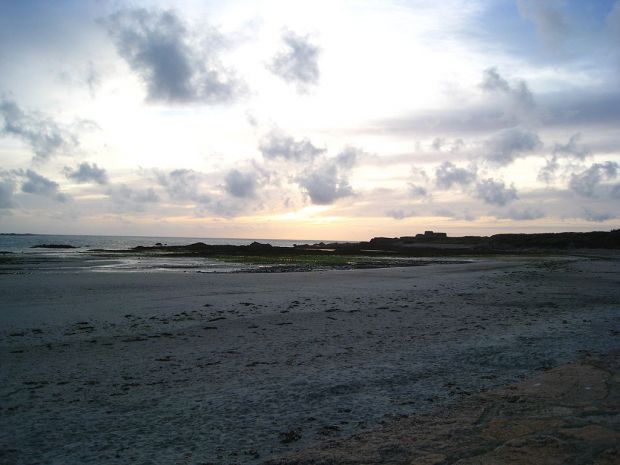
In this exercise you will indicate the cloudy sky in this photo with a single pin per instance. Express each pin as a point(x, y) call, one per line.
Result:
point(309, 119)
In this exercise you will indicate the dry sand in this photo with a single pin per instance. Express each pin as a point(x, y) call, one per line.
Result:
point(188, 368)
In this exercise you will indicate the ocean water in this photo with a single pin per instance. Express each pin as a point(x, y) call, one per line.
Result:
point(24, 243)
point(23, 257)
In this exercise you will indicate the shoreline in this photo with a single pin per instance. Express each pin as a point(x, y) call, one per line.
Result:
point(129, 260)
point(279, 261)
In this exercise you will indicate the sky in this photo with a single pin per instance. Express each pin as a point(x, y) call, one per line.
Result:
point(322, 119)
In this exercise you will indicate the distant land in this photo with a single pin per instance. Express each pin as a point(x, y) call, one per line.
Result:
point(421, 245)
point(496, 243)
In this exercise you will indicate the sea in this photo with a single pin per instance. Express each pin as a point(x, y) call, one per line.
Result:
point(18, 253)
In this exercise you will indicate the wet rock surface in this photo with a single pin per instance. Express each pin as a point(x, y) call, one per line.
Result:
point(567, 415)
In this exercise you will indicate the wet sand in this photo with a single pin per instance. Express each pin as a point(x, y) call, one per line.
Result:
point(193, 368)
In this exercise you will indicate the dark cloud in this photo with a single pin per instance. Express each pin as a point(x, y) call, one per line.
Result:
point(419, 175)
point(598, 217)
point(495, 192)
point(547, 172)
point(174, 65)
point(587, 182)
point(504, 147)
point(92, 78)
point(86, 75)
point(348, 157)
point(400, 214)
point(549, 17)
point(7, 189)
point(448, 175)
point(276, 144)
point(123, 194)
point(417, 191)
point(39, 185)
point(581, 109)
point(45, 136)
point(523, 214)
point(86, 172)
point(323, 179)
point(613, 23)
point(183, 185)
point(455, 121)
point(570, 110)
point(460, 215)
point(572, 148)
point(444, 212)
point(298, 64)
point(492, 81)
point(519, 92)
point(325, 184)
point(238, 184)
point(440, 144)
point(510, 104)
point(615, 191)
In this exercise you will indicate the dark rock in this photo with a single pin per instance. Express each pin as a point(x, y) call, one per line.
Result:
point(258, 245)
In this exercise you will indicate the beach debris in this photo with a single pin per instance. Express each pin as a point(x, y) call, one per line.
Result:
point(328, 430)
point(253, 453)
point(293, 435)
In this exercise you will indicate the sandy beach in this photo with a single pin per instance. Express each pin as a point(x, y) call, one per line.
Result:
point(197, 368)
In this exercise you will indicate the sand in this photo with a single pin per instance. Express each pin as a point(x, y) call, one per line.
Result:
point(192, 368)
